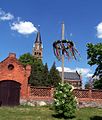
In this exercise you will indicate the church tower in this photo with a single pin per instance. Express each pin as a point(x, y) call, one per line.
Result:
point(37, 47)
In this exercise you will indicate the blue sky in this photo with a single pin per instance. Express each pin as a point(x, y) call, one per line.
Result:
point(83, 24)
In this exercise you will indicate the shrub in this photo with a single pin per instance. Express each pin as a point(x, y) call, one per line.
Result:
point(64, 101)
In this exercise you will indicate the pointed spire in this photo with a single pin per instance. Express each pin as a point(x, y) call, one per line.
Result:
point(37, 47)
point(38, 38)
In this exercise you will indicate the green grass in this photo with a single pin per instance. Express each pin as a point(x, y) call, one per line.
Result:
point(44, 113)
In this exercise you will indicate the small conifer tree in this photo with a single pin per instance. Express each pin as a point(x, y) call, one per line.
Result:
point(45, 75)
point(54, 77)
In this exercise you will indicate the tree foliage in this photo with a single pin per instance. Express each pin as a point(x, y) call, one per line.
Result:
point(45, 75)
point(40, 75)
point(94, 53)
point(26, 58)
point(97, 84)
point(36, 77)
point(54, 76)
point(64, 101)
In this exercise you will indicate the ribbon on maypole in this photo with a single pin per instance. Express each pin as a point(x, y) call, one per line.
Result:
point(67, 47)
point(64, 49)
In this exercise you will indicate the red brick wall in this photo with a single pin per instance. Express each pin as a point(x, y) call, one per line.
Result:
point(85, 96)
point(41, 93)
point(18, 74)
point(46, 93)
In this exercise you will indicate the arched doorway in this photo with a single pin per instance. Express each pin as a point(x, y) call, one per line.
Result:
point(9, 93)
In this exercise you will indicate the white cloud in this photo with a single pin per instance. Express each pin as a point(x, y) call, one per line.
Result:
point(23, 27)
point(5, 16)
point(65, 69)
point(83, 71)
point(89, 75)
point(99, 30)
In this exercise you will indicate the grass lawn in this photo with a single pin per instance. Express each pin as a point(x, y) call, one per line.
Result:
point(44, 113)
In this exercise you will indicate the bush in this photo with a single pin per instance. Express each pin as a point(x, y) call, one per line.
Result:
point(64, 101)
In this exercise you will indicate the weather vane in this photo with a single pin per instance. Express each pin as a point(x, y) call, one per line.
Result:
point(64, 48)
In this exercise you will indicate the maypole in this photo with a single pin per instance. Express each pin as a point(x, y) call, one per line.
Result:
point(63, 54)
point(63, 48)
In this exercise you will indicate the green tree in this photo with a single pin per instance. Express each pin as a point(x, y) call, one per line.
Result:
point(45, 75)
point(87, 85)
point(97, 84)
point(64, 101)
point(26, 58)
point(40, 76)
point(54, 77)
point(36, 77)
point(94, 53)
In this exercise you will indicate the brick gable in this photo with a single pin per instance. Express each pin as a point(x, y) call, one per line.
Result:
point(12, 69)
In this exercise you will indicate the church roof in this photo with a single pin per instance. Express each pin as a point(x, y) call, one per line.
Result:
point(71, 75)
point(38, 38)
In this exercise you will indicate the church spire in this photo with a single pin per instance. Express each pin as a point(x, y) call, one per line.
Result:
point(38, 38)
point(37, 47)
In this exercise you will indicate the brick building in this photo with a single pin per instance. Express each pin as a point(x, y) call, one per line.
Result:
point(13, 81)
point(74, 78)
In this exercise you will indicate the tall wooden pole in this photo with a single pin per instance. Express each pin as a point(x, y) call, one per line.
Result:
point(62, 54)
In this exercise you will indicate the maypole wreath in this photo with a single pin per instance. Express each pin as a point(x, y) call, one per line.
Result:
point(65, 47)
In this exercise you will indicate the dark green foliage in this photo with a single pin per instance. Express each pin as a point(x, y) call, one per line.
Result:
point(45, 76)
point(64, 101)
point(26, 58)
point(94, 53)
point(97, 84)
point(36, 77)
point(54, 76)
point(40, 75)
